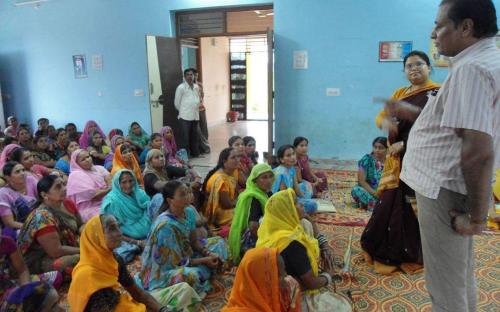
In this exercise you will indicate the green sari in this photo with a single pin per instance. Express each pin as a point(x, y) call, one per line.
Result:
point(242, 210)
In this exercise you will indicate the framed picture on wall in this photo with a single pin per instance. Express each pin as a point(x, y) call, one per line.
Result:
point(437, 59)
point(80, 66)
point(394, 51)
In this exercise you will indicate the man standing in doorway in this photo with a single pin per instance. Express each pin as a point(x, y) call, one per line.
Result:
point(452, 150)
point(187, 102)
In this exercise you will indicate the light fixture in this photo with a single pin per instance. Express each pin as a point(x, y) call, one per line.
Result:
point(30, 2)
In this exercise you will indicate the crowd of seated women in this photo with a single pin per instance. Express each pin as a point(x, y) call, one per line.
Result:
point(77, 207)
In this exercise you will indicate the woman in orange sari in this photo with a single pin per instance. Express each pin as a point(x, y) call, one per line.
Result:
point(391, 238)
point(124, 158)
point(261, 284)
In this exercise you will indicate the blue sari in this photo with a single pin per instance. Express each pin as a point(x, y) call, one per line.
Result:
point(168, 253)
point(286, 176)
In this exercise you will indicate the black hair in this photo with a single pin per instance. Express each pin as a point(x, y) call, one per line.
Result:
point(69, 125)
point(17, 154)
point(124, 147)
point(187, 70)
point(44, 185)
point(135, 123)
point(299, 140)
point(118, 132)
point(91, 139)
point(481, 12)
point(23, 127)
point(38, 137)
point(154, 136)
point(9, 167)
point(248, 139)
point(59, 130)
point(32, 302)
point(194, 70)
point(381, 140)
point(130, 173)
point(233, 139)
point(223, 157)
point(51, 127)
point(420, 54)
point(103, 300)
point(168, 191)
point(68, 143)
point(282, 150)
point(9, 140)
point(41, 119)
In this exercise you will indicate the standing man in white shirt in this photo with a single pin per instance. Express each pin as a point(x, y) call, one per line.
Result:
point(452, 150)
point(187, 102)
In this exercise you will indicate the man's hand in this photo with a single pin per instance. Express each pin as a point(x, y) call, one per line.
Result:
point(462, 224)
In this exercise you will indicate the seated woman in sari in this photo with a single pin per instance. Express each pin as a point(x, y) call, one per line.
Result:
point(282, 228)
point(261, 284)
point(25, 158)
point(42, 154)
point(49, 237)
point(128, 203)
point(370, 169)
point(220, 192)
point(173, 254)
point(17, 198)
point(97, 277)
point(63, 163)
point(60, 143)
point(249, 210)
point(286, 177)
point(317, 179)
point(90, 127)
point(250, 150)
point(155, 142)
point(87, 184)
point(6, 153)
point(28, 293)
point(177, 165)
point(137, 137)
point(401, 246)
point(236, 142)
point(98, 148)
point(124, 158)
point(115, 141)
point(155, 174)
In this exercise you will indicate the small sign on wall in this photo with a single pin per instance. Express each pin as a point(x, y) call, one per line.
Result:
point(299, 59)
point(80, 66)
point(394, 51)
point(97, 62)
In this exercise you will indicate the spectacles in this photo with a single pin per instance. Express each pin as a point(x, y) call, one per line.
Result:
point(417, 65)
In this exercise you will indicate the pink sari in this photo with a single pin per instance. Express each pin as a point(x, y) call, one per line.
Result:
point(6, 153)
point(82, 186)
point(170, 147)
point(84, 138)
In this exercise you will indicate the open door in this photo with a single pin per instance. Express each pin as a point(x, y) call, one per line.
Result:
point(165, 74)
point(270, 91)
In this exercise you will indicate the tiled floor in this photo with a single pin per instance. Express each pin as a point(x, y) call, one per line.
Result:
point(219, 135)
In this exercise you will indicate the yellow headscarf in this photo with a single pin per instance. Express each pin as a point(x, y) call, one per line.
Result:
point(281, 226)
point(496, 186)
point(96, 270)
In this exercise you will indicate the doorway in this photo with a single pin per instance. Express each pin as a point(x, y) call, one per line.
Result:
point(208, 41)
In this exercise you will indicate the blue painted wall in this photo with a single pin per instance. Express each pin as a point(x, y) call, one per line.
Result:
point(36, 48)
point(341, 38)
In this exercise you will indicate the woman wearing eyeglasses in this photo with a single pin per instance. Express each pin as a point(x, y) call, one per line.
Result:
point(391, 240)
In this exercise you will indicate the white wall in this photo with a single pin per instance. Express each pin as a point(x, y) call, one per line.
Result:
point(215, 67)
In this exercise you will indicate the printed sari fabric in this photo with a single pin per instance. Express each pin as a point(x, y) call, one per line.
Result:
point(168, 253)
point(287, 176)
point(373, 171)
point(44, 220)
point(307, 174)
point(119, 163)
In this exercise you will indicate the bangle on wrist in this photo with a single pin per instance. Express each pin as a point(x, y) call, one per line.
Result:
point(328, 277)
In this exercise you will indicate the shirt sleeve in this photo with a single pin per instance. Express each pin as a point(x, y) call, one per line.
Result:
point(297, 262)
point(178, 97)
point(470, 101)
point(255, 211)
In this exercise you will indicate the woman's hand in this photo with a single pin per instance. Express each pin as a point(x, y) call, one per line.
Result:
point(396, 148)
point(212, 262)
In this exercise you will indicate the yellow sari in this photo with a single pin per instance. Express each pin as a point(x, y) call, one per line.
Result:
point(496, 186)
point(403, 93)
point(96, 270)
point(281, 226)
point(215, 214)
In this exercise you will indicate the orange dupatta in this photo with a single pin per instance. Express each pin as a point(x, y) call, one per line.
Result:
point(256, 286)
point(215, 214)
point(97, 269)
point(119, 163)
